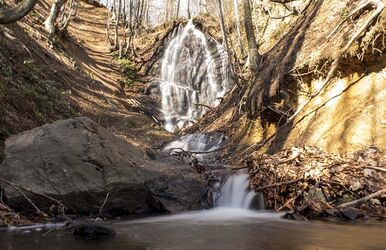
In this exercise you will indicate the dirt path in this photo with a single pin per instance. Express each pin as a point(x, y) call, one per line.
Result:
point(104, 99)
point(89, 31)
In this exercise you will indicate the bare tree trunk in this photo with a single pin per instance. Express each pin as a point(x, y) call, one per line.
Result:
point(108, 26)
point(117, 16)
point(253, 52)
point(189, 14)
point(223, 28)
point(178, 9)
point(241, 46)
point(54, 13)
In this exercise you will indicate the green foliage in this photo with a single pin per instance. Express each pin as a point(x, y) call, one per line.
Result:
point(344, 13)
point(129, 71)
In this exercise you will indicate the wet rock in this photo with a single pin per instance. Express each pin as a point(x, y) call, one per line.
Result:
point(83, 165)
point(93, 232)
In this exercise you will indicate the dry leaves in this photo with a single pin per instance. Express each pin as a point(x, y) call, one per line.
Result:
point(312, 183)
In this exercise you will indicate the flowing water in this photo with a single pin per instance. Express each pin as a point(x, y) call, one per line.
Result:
point(194, 75)
point(227, 229)
point(235, 193)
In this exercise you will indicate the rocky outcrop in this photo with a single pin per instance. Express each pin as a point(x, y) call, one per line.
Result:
point(81, 164)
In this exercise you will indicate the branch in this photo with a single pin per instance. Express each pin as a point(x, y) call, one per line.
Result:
point(278, 184)
point(362, 200)
point(29, 190)
point(203, 105)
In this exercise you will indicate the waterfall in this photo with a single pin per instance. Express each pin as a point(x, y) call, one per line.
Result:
point(235, 193)
point(194, 75)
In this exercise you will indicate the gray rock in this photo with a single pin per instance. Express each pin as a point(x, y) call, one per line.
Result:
point(79, 162)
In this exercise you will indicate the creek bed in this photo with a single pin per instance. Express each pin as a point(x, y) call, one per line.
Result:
point(221, 228)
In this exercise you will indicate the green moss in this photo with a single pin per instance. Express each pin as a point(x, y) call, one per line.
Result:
point(129, 71)
point(344, 13)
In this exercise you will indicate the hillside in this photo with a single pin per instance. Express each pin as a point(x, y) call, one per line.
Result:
point(41, 82)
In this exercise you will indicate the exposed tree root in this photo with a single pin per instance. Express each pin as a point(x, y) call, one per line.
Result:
point(379, 5)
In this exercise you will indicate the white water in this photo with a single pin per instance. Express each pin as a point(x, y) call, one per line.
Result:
point(193, 77)
point(235, 193)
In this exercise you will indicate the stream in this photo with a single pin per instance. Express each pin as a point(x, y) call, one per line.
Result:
point(215, 229)
point(230, 225)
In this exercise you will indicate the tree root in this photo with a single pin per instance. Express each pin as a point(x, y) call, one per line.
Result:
point(379, 6)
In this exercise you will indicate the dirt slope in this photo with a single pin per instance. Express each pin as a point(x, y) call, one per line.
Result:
point(40, 83)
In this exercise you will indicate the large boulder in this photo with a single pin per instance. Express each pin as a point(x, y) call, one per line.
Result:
point(80, 163)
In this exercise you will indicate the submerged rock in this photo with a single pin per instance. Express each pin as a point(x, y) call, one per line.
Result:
point(93, 232)
point(83, 165)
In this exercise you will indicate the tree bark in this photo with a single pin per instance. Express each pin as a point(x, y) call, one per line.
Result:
point(54, 13)
point(223, 28)
point(178, 9)
point(13, 14)
point(241, 46)
point(189, 15)
point(117, 16)
point(253, 52)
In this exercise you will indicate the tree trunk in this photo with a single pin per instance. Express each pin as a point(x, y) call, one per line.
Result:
point(222, 22)
point(117, 16)
point(236, 6)
point(178, 9)
point(189, 15)
point(54, 13)
point(15, 13)
point(253, 52)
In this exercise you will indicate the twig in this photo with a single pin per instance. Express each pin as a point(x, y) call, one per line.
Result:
point(29, 190)
point(362, 200)
point(203, 105)
point(278, 184)
point(199, 152)
point(24, 195)
point(377, 168)
point(104, 203)
point(49, 231)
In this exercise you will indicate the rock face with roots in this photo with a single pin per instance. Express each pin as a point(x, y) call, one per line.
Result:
point(81, 164)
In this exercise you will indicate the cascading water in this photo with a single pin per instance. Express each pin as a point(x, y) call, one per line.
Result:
point(194, 76)
point(235, 193)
